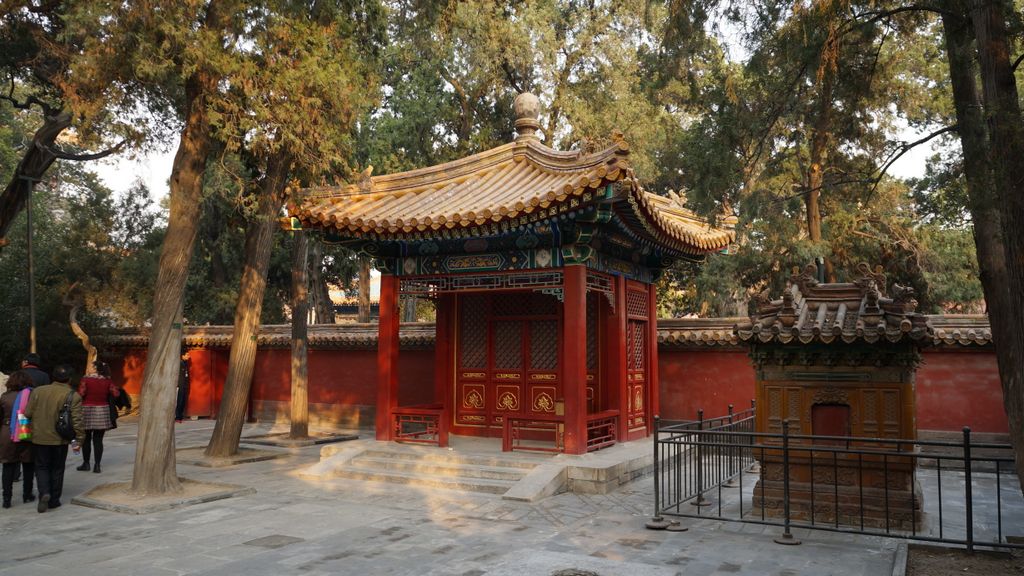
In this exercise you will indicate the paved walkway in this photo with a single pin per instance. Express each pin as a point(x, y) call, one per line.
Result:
point(298, 525)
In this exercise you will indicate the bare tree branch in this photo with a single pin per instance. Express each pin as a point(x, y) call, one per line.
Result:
point(906, 147)
point(876, 15)
point(1016, 63)
point(62, 155)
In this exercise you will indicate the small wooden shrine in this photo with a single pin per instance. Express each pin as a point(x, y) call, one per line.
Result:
point(540, 264)
point(839, 360)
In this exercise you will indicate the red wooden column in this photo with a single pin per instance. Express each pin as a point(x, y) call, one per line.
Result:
point(653, 384)
point(574, 347)
point(387, 355)
point(615, 354)
point(442, 348)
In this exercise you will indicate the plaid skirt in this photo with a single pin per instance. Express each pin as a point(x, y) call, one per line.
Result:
point(97, 417)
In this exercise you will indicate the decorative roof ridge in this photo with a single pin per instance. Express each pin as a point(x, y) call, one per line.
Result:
point(850, 311)
point(539, 154)
point(728, 223)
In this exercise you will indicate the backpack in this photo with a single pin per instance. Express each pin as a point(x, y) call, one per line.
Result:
point(65, 427)
point(21, 428)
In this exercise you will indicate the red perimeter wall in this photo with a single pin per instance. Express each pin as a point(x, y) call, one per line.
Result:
point(704, 378)
point(960, 387)
point(955, 387)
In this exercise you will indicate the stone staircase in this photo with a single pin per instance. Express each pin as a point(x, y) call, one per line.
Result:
point(492, 474)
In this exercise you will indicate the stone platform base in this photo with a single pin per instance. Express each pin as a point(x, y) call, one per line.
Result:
point(871, 507)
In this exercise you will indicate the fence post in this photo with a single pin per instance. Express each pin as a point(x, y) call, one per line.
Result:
point(968, 491)
point(657, 522)
point(700, 501)
point(755, 466)
point(734, 453)
point(787, 536)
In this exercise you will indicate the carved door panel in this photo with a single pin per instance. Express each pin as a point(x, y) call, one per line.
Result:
point(506, 373)
point(471, 366)
point(508, 359)
point(637, 355)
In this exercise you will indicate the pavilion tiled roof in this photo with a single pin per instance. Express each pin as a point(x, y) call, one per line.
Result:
point(502, 186)
point(838, 312)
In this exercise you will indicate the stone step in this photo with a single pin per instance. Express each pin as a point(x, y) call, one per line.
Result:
point(453, 468)
point(448, 456)
point(484, 485)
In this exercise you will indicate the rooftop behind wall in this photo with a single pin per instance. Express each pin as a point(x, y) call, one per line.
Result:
point(961, 330)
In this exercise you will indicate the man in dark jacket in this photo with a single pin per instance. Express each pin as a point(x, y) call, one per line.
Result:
point(30, 365)
point(184, 380)
point(48, 447)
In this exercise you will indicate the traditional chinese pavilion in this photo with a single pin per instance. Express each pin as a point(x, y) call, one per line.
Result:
point(540, 263)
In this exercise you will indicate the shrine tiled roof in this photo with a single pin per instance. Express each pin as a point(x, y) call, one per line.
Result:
point(502, 188)
point(838, 312)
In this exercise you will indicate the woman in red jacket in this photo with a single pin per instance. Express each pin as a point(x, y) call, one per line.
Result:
point(95, 389)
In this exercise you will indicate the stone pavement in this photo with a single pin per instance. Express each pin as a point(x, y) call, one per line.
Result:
point(301, 525)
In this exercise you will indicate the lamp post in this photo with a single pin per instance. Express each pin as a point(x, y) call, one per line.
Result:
point(30, 182)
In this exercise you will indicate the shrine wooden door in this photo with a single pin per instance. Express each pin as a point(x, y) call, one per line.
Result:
point(506, 359)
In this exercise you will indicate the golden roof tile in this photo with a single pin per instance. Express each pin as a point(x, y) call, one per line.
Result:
point(499, 185)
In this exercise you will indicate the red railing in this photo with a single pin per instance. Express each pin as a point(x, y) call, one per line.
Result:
point(601, 428)
point(423, 424)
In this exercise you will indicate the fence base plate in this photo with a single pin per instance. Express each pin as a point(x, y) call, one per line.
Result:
point(657, 523)
point(787, 539)
point(675, 526)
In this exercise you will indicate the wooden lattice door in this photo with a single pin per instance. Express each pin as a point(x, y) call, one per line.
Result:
point(507, 359)
point(637, 359)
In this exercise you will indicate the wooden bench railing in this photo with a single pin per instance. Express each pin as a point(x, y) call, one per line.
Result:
point(601, 431)
point(514, 426)
point(423, 424)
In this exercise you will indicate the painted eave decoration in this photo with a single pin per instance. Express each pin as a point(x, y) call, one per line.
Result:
point(858, 311)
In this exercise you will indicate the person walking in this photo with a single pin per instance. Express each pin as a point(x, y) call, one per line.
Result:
point(50, 450)
point(184, 380)
point(97, 391)
point(31, 366)
point(14, 455)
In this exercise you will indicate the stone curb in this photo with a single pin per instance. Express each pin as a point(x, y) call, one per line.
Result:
point(229, 491)
point(281, 440)
point(244, 456)
point(899, 563)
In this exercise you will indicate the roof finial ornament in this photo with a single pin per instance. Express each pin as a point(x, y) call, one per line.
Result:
point(527, 109)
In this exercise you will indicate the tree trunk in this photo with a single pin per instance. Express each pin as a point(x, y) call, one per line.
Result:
point(300, 317)
point(259, 239)
point(34, 163)
point(155, 471)
point(364, 289)
point(409, 311)
point(323, 308)
point(820, 140)
point(90, 350)
point(1006, 138)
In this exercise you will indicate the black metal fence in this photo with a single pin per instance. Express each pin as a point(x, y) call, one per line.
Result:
point(963, 493)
